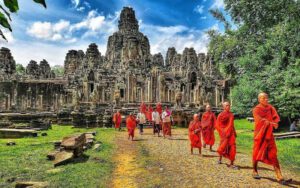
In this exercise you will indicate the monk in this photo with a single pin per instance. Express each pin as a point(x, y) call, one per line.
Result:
point(264, 149)
point(159, 110)
point(131, 124)
point(166, 119)
point(208, 122)
point(143, 108)
point(149, 113)
point(225, 127)
point(117, 119)
point(195, 133)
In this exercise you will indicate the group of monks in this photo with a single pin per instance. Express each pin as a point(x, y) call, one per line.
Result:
point(264, 149)
point(202, 128)
point(160, 120)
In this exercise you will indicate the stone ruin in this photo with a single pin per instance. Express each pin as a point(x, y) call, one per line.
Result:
point(94, 85)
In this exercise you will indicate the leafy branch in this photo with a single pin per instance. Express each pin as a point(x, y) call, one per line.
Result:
point(13, 7)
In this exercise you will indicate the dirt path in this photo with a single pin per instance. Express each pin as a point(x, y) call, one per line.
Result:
point(159, 162)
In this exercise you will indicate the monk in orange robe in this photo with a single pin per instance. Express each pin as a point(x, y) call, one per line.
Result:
point(225, 127)
point(264, 148)
point(143, 108)
point(130, 124)
point(160, 111)
point(149, 113)
point(195, 133)
point(117, 119)
point(208, 122)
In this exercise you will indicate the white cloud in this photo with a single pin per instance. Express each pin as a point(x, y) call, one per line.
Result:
point(199, 9)
point(75, 3)
point(203, 17)
point(219, 4)
point(161, 38)
point(48, 30)
point(63, 31)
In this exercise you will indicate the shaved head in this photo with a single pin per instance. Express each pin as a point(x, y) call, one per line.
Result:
point(195, 117)
point(208, 107)
point(226, 106)
point(263, 99)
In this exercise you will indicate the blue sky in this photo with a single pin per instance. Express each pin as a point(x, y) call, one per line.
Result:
point(40, 33)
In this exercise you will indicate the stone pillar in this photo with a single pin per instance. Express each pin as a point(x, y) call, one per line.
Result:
point(40, 102)
point(216, 96)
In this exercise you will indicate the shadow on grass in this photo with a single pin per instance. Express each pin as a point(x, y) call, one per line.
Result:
point(293, 183)
point(82, 159)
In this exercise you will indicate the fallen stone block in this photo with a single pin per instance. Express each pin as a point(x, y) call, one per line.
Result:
point(51, 155)
point(73, 142)
point(17, 133)
point(63, 157)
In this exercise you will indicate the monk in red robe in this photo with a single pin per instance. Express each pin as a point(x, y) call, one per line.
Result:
point(264, 148)
point(195, 133)
point(117, 119)
point(225, 127)
point(160, 111)
point(208, 122)
point(130, 124)
point(143, 108)
point(149, 113)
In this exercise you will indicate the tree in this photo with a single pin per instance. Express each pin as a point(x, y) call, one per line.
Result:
point(58, 70)
point(20, 69)
point(13, 7)
point(262, 54)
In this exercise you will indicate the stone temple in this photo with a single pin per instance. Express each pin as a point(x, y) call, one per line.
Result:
point(96, 84)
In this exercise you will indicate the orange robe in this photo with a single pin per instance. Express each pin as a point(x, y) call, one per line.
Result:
point(208, 126)
point(130, 124)
point(264, 148)
point(159, 108)
point(166, 128)
point(225, 127)
point(149, 113)
point(143, 108)
point(117, 119)
point(195, 138)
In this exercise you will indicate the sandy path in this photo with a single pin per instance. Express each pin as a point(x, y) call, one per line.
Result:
point(159, 162)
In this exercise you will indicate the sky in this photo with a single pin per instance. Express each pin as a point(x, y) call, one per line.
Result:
point(40, 33)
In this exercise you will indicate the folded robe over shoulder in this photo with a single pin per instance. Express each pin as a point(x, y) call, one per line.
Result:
point(195, 138)
point(208, 122)
point(264, 148)
point(225, 127)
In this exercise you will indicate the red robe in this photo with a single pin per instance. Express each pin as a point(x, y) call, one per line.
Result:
point(225, 127)
point(117, 119)
point(195, 138)
point(143, 108)
point(208, 122)
point(149, 113)
point(159, 108)
point(264, 148)
point(131, 124)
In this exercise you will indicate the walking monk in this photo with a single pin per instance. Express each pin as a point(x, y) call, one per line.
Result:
point(117, 119)
point(195, 133)
point(225, 127)
point(264, 149)
point(130, 124)
point(166, 119)
point(208, 122)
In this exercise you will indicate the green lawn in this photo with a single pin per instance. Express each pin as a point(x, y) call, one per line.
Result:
point(27, 160)
point(288, 149)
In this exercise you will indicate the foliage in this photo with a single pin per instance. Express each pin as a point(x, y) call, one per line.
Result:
point(13, 7)
point(58, 70)
point(20, 69)
point(262, 54)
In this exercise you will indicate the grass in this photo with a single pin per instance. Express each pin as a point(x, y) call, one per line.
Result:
point(288, 149)
point(27, 160)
